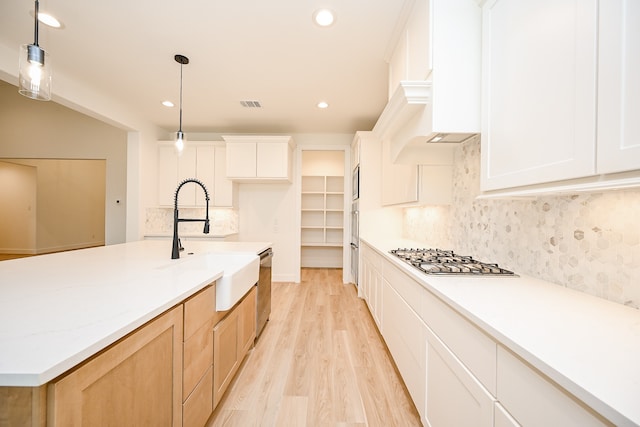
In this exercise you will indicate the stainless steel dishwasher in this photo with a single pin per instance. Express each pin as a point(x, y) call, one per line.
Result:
point(264, 291)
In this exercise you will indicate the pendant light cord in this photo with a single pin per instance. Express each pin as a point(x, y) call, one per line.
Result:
point(35, 31)
point(180, 130)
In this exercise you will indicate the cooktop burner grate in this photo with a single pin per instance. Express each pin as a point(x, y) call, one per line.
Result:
point(442, 262)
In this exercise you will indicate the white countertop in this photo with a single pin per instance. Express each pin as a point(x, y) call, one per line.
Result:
point(59, 309)
point(588, 345)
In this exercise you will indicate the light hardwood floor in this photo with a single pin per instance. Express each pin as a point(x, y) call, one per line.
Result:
point(319, 362)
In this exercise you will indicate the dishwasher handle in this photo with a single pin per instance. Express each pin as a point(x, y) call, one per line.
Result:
point(268, 253)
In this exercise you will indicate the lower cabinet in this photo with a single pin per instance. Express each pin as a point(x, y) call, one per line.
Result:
point(233, 336)
point(135, 382)
point(371, 282)
point(534, 400)
point(172, 371)
point(404, 333)
point(456, 373)
point(197, 381)
point(502, 418)
point(454, 396)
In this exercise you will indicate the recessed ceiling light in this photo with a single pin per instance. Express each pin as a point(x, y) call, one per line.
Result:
point(167, 103)
point(323, 17)
point(47, 19)
point(322, 104)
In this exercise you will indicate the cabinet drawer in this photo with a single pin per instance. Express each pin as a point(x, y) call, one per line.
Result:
point(372, 256)
point(198, 310)
point(454, 396)
point(198, 357)
point(532, 399)
point(410, 290)
point(472, 346)
point(199, 406)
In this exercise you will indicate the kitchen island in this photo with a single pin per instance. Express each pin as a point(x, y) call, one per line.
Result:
point(58, 311)
point(506, 350)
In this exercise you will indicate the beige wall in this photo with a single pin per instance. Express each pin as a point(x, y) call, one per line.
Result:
point(70, 201)
point(46, 130)
point(18, 209)
point(319, 163)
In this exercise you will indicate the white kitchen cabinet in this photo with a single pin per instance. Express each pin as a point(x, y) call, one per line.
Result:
point(201, 160)
point(405, 336)
point(502, 418)
point(355, 153)
point(533, 400)
point(618, 86)
point(414, 184)
point(475, 349)
point(434, 82)
point(539, 70)
point(259, 158)
point(370, 285)
point(561, 100)
point(454, 397)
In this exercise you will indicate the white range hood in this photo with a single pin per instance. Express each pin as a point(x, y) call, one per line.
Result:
point(408, 122)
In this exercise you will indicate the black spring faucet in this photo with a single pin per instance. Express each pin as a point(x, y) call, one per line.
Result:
point(177, 247)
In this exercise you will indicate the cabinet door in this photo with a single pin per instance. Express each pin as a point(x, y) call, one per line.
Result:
point(533, 400)
point(187, 161)
point(247, 322)
point(273, 160)
point(619, 86)
point(454, 397)
point(205, 171)
point(167, 174)
point(539, 91)
point(399, 182)
point(223, 187)
point(503, 418)
point(241, 160)
point(135, 382)
point(404, 334)
point(226, 357)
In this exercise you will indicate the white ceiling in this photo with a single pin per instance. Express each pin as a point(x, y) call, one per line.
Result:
point(269, 51)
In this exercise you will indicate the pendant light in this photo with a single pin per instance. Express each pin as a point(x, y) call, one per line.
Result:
point(180, 137)
point(34, 68)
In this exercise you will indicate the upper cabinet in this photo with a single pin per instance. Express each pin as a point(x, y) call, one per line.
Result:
point(201, 160)
point(618, 86)
point(559, 96)
point(434, 82)
point(254, 158)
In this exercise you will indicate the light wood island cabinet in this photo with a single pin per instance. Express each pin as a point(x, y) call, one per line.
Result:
point(137, 381)
point(197, 382)
point(172, 371)
point(233, 336)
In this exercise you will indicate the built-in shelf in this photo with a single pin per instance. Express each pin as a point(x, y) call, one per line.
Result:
point(322, 213)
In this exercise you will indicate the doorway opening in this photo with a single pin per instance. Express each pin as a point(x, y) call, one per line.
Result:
point(322, 215)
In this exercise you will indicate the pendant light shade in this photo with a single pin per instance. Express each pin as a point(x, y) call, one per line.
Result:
point(35, 68)
point(181, 139)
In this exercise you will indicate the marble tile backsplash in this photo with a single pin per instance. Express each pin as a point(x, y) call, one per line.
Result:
point(588, 241)
point(221, 221)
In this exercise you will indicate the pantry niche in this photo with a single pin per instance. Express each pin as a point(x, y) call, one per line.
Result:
point(322, 209)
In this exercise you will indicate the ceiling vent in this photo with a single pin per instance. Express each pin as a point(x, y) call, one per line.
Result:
point(251, 104)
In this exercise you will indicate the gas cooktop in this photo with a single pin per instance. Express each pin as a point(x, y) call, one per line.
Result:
point(441, 262)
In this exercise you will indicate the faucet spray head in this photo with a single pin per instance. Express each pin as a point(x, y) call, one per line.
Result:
point(206, 227)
